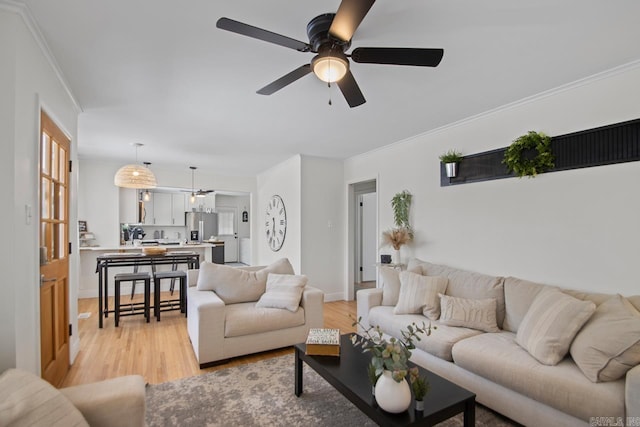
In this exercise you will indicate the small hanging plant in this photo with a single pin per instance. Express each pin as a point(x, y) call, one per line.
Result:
point(518, 158)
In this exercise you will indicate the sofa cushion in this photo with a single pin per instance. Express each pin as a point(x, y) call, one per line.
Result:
point(551, 323)
point(518, 297)
point(439, 343)
point(466, 284)
point(390, 285)
point(470, 313)
point(609, 343)
point(247, 319)
point(283, 291)
point(498, 358)
point(235, 285)
point(419, 294)
point(28, 400)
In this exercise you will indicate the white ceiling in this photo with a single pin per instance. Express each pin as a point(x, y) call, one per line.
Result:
point(159, 72)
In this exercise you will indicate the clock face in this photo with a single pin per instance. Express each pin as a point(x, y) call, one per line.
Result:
point(275, 223)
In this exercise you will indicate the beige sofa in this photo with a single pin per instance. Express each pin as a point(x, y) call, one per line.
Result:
point(493, 365)
point(225, 319)
point(28, 400)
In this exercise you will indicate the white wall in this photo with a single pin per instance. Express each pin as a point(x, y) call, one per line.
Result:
point(322, 225)
point(283, 180)
point(577, 229)
point(31, 84)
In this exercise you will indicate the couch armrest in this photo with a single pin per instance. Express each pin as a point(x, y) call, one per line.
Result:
point(632, 393)
point(205, 324)
point(192, 278)
point(313, 304)
point(367, 299)
point(118, 401)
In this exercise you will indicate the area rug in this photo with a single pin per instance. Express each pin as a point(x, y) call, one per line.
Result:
point(261, 394)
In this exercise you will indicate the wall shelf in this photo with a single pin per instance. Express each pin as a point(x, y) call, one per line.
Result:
point(606, 145)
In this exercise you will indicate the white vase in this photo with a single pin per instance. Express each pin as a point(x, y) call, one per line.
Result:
point(392, 396)
point(396, 257)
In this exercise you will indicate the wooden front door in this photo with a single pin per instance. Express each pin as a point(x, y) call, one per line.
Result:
point(54, 240)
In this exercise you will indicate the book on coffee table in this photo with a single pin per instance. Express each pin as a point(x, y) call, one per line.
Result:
point(323, 342)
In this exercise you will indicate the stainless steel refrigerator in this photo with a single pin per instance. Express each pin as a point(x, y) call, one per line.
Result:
point(205, 224)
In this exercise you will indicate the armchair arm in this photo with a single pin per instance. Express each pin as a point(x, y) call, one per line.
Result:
point(313, 304)
point(192, 278)
point(118, 401)
point(367, 299)
point(205, 324)
point(632, 393)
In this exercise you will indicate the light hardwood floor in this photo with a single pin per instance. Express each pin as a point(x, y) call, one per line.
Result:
point(159, 351)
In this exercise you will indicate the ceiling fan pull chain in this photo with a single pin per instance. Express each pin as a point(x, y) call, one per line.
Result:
point(329, 86)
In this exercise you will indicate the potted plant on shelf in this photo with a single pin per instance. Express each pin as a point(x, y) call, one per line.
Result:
point(420, 387)
point(389, 362)
point(402, 233)
point(529, 155)
point(451, 159)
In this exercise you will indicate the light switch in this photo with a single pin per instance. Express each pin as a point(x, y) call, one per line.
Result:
point(27, 214)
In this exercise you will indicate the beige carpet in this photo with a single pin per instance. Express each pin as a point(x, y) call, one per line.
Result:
point(261, 394)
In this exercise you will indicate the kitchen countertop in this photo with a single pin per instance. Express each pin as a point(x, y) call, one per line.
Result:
point(139, 248)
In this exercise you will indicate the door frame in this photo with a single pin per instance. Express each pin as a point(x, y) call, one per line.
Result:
point(354, 188)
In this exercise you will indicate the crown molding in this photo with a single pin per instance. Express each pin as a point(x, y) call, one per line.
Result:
point(620, 69)
point(23, 10)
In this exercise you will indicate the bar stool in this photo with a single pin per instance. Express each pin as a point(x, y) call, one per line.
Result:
point(157, 277)
point(132, 277)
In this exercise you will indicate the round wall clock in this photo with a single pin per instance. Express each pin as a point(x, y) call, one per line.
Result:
point(275, 223)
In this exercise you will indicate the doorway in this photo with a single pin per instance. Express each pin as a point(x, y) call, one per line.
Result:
point(54, 248)
point(228, 231)
point(365, 235)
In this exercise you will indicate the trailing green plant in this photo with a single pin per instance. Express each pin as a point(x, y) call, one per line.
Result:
point(400, 203)
point(517, 160)
point(419, 385)
point(451, 156)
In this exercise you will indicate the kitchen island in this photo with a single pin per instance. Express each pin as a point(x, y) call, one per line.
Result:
point(88, 257)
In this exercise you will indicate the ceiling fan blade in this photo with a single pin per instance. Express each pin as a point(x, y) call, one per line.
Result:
point(349, 16)
point(351, 90)
point(285, 80)
point(260, 34)
point(398, 56)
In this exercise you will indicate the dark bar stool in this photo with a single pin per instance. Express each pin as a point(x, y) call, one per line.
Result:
point(135, 307)
point(182, 300)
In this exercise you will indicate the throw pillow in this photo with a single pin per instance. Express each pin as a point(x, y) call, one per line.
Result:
point(390, 285)
point(419, 294)
point(28, 400)
point(469, 313)
point(283, 291)
point(234, 285)
point(551, 323)
point(609, 343)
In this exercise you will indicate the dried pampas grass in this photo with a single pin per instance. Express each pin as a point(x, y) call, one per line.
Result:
point(396, 237)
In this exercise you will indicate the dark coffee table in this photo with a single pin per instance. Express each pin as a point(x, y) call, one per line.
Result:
point(348, 375)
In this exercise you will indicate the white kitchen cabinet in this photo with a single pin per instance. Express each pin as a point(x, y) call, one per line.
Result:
point(162, 209)
point(177, 209)
point(128, 206)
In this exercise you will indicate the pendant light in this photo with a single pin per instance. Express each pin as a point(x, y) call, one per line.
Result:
point(135, 175)
point(192, 199)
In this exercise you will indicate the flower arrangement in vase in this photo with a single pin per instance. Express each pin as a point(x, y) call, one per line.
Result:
point(402, 233)
point(389, 362)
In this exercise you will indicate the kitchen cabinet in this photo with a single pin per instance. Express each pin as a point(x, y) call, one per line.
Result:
point(128, 205)
point(177, 209)
point(148, 212)
point(168, 209)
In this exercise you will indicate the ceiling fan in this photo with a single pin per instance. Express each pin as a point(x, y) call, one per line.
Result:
point(196, 193)
point(330, 37)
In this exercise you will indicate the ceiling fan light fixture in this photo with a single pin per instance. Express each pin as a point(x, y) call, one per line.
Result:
point(330, 66)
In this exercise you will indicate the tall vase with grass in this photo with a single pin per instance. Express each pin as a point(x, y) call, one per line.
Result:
point(420, 387)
